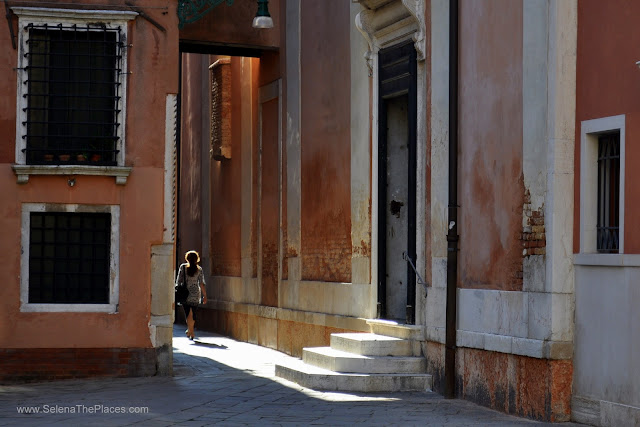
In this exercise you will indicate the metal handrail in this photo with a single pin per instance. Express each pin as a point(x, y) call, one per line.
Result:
point(420, 281)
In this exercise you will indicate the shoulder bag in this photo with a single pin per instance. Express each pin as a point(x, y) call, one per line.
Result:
point(182, 293)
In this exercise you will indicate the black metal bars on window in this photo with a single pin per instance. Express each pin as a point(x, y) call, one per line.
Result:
point(69, 257)
point(608, 221)
point(73, 88)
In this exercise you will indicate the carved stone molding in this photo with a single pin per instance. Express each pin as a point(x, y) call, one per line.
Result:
point(387, 22)
point(416, 8)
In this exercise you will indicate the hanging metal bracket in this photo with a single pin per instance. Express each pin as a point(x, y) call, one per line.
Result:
point(10, 22)
point(191, 10)
point(146, 17)
point(420, 281)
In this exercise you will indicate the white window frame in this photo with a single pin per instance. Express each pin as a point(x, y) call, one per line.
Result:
point(112, 19)
point(589, 132)
point(114, 259)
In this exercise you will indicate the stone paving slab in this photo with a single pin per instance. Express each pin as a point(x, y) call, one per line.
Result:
point(221, 382)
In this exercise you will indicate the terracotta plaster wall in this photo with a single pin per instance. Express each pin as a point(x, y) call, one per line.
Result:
point(140, 199)
point(226, 181)
point(269, 203)
point(141, 225)
point(228, 25)
point(491, 192)
point(607, 84)
point(325, 141)
point(194, 93)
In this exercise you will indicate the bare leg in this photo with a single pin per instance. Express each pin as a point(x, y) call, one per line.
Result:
point(190, 324)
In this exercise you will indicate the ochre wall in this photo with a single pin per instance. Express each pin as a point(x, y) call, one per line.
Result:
point(325, 141)
point(490, 179)
point(607, 84)
point(152, 60)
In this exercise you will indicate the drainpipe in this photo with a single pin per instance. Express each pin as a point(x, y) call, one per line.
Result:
point(452, 234)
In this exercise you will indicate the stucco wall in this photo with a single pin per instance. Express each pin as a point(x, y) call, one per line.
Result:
point(606, 365)
point(607, 82)
point(325, 141)
point(490, 155)
point(141, 199)
point(195, 95)
point(225, 201)
point(269, 203)
point(607, 291)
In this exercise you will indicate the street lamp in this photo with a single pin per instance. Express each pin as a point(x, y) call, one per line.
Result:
point(263, 19)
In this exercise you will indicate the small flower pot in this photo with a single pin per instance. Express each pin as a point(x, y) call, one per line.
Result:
point(48, 157)
point(96, 157)
point(81, 158)
point(64, 157)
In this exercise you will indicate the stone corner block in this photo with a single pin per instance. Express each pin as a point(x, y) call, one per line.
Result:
point(558, 350)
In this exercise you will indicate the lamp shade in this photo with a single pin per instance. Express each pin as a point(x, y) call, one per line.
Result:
point(263, 18)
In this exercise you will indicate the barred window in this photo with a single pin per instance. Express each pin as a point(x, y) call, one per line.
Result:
point(608, 221)
point(69, 257)
point(73, 88)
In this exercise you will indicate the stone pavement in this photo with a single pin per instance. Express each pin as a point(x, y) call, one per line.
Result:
point(219, 381)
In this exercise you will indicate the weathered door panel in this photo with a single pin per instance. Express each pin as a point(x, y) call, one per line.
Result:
point(397, 116)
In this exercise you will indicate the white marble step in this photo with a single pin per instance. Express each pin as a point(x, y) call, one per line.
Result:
point(342, 361)
point(322, 379)
point(368, 344)
point(394, 329)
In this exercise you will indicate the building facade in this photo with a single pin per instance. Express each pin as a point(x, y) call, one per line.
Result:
point(339, 171)
point(344, 169)
point(605, 384)
point(461, 168)
point(88, 118)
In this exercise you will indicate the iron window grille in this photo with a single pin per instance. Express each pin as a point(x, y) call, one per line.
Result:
point(73, 89)
point(69, 256)
point(608, 219)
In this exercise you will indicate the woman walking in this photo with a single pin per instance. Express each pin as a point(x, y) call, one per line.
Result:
point(192, 275)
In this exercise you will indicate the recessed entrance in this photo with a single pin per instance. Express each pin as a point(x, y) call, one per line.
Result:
point(397, 182)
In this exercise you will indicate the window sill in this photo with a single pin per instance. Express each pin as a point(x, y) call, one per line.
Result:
point(69, 308)
point(607, 260)
point(121, 173)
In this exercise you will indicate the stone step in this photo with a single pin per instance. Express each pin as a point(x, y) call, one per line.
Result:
point(342, 361)
point(321, 379)
point(394, 329)
point(368, 344)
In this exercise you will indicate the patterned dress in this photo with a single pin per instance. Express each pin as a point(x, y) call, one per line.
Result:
point(193, 284)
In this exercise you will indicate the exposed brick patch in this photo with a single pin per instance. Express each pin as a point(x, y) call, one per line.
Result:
point(41, 364)
point(224, 267)
point(326, 257)
point(533, 238)
point(269, 274)
point(286, 254)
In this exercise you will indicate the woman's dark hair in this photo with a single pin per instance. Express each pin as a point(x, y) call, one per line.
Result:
point(192, 259)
